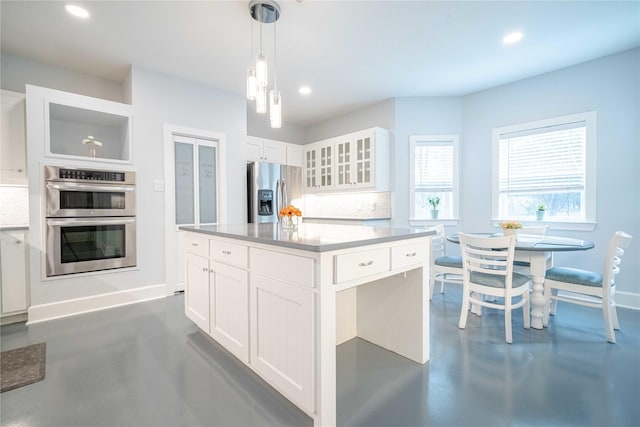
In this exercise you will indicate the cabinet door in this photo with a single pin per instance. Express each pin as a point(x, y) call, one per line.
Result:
point(196, 293)
point(310, 170)
point(274, 152)
point(344, 177)
point(282, 337)
point(254, 151)
point(229, 302)
point(13, 153)
point(14, 272)
point(294, 155)
point(363, 159)
point(326, 166)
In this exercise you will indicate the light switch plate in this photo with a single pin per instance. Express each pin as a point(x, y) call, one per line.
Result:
point(158, 185)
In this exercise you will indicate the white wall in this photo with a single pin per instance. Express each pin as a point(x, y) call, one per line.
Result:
point(158, 99)
point(17, 71)
point(611, 87)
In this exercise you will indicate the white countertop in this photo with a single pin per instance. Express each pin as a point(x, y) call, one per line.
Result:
point(311, 237)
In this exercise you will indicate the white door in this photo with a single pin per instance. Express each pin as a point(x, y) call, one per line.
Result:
point(194, 192)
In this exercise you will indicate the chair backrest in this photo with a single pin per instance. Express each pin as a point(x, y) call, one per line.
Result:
point(534, 229)
point(488, 255)
point(617, 244)
point(438, 242)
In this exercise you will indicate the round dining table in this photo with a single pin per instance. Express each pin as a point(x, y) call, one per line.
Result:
point(538, 251)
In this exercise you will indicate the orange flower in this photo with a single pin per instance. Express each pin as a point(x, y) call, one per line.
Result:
point(290, 211)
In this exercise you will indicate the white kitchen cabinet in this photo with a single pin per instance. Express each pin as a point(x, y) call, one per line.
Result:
point(266, 150)
point(360, 161)
point(229, 303)
point(14, 295)
point(282, 337)
point(13, 153)
point(196, 301)
point(294, 155)
point(318, 166)
point(217, 291)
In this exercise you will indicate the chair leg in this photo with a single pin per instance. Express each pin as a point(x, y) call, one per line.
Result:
point(507, 325)
point(554, 303)
point(442, 283)
point(608, 323)
point(526, 311)
point(614, 316)
point(462, 323)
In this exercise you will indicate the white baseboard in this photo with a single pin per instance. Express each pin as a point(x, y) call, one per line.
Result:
point(628, 300)
point(56, 310)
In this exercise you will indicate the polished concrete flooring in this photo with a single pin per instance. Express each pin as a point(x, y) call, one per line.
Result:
point(147, 365)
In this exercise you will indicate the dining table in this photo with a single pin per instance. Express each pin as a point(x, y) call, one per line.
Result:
point(537, 250)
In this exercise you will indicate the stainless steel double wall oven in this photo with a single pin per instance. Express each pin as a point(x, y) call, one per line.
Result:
point(90, 220)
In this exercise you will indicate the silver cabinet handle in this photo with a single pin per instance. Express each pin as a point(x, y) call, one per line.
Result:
point(411, 254)
point(226, 252)
point(18, 242)
point(194, 244)
point(365, 264)
point(204, 269)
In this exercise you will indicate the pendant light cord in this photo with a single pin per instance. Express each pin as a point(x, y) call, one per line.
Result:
point(275, 68)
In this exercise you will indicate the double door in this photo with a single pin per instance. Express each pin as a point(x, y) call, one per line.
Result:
point(318, 167)
point(354, 160)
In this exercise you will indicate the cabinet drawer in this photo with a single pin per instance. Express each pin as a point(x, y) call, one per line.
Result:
point(406, 255)
point(229, 253)
point(360, 264)
point(290, 268)
point(196, 244)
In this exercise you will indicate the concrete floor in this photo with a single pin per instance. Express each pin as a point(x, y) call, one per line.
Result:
point(147, 365)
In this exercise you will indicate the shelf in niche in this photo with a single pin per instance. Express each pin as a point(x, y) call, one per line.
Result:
point(107, 122)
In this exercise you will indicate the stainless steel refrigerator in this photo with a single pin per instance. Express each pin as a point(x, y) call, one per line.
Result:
point(270, 187)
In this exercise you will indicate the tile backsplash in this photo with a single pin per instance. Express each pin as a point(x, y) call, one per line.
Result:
point(14, 205)
point(369, 205)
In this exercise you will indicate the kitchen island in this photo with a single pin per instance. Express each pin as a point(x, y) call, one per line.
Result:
point(281, 300)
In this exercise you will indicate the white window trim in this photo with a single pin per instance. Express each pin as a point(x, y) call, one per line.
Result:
point(455, 142)
point(589, 117)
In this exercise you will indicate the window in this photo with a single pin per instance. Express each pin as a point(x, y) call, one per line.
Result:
point(550, 163)
point(434, 169)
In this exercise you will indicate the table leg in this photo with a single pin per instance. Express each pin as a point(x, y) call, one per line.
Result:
point(538, 271)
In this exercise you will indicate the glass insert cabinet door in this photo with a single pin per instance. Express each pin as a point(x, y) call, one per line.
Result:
point(363, 160)
point(196, 181)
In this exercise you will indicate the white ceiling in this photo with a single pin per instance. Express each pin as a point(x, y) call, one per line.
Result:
point(351, 53)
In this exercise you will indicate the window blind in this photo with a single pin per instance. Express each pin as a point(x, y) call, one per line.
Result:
point(433, 167)
point(550, 159)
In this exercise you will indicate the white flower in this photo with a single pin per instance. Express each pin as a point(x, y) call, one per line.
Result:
point(90, 141)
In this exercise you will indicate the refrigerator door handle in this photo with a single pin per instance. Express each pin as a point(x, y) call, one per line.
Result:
point(278, 200)
point(285, 197)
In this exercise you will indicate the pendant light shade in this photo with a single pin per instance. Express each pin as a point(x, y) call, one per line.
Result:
point(261, 69)
point(261, 100)
point(275, 109)
point(264, 12)
point(252, 84)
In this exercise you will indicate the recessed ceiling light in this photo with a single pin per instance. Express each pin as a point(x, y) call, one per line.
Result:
point(77, 11)
point(512, 38)
point(304, 90)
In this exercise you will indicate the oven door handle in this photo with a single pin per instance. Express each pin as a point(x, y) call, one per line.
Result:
point(89, 221)
point(89, 187)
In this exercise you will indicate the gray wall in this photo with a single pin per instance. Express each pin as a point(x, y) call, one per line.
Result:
point(18, 71)
point(259, 125)
point(611, 87)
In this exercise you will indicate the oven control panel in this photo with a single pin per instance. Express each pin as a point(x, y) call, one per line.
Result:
point(55, 173)
point(91, 175)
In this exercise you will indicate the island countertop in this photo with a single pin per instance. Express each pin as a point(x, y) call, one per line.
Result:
point(311, 237)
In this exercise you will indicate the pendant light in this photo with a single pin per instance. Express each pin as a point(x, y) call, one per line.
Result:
point(265, 12)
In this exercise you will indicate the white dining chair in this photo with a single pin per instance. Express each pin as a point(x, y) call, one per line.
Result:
point(588, 288)
point(443, 268)
point(487, 264)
